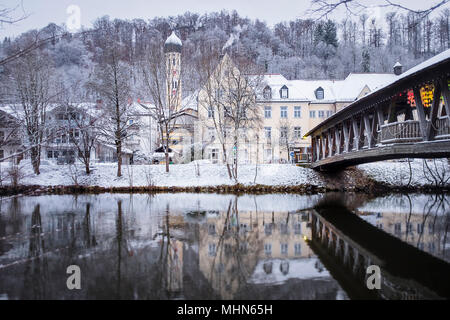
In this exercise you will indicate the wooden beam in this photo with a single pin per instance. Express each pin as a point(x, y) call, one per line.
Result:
point(330, 143)
point(337, 139)
point(355, 134)
point(346, 130)
point(421, 113)
point(368, 130)
point(446, 94)
point(434, 111)
point(392, 112)
point(380, 115)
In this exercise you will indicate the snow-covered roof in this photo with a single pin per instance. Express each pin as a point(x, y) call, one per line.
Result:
point(190, 102)
point(345, 90)
point(439, 58)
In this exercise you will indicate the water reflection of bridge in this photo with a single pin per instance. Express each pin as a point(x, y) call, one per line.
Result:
point(347, 245)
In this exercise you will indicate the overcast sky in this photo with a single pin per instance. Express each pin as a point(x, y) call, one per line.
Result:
point(42, 12)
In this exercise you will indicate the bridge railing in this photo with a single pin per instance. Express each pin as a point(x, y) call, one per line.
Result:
point(442, 128)
point(400, 132)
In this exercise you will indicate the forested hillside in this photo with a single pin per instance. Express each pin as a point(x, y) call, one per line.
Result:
point(301, 49)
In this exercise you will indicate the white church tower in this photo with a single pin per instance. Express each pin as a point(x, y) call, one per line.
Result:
point(172, 51)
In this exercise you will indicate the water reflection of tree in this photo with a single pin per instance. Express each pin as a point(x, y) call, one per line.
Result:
point(36, 275)
point(232, 263)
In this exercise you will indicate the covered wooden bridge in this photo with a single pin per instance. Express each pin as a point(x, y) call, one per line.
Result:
point(408, 118)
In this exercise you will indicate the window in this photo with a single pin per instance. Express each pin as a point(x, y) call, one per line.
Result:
point(227, 112)
point(398, 227)
point(312, 114)
point(210, 112)
point(268, 229)
point(284, 93)
point(268, 154)
point(298, 249)
point(283, 112)
point(211, 229)
point(284, 248)
point(214, 156)
point(408, 227)
point(2, 155)
point(174, 84)
point(268, 132)
point(267, 93)
point(319, 93)
point(174, 62)
point(297, 132)
point(321, 114)
point(212, 249)
point(2, 136)
point(329, 113)
point(267, 112)
point(284, 228)
point(419, 227)
point(297, 112)
point(212, 133)
point(298, 228)
point(283, 132)
point(268, 249)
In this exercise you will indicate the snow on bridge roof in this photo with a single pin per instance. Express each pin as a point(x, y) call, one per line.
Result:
point(441, 57)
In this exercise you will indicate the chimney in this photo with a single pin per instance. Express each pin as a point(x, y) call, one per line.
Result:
point(398, 68)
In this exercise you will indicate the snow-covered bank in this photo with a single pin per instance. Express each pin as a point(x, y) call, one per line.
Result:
point(204, 174)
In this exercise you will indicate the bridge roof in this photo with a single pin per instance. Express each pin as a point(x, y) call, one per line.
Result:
point(438, 65)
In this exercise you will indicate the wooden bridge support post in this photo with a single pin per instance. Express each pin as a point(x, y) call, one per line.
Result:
point(356, 134)
point(317, 148)
point(337, 140)
point(330, 143)
point(434, 111)
point(421, 113)
point(346, 130)
point(324, 146)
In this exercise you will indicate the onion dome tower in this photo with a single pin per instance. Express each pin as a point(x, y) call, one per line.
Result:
point(172, 52)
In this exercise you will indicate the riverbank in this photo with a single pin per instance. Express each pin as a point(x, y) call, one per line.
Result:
point(202, 176)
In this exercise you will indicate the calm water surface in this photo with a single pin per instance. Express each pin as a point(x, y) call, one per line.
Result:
point(208, 246)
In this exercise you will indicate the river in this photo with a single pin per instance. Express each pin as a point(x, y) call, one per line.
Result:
point(219, 246)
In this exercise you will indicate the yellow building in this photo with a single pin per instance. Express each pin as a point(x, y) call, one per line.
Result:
point(287, 108)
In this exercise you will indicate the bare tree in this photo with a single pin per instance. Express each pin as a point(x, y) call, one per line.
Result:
point(83, 131)
point(287, 136)
point(162, 87)
point(323, 8)
point(242, 82)
point(31, 78)
point(112, 83)
point(211, 72)
point(8, 15)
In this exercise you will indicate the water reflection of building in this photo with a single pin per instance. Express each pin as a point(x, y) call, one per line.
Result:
point(249, 248)
point(426, 232)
